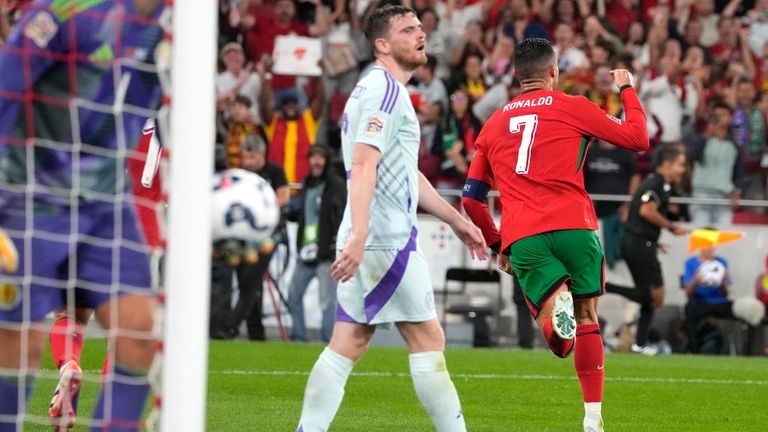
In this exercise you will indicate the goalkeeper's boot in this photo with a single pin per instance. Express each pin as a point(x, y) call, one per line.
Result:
point(63, 409)
point(563, 322)
point(593, 423)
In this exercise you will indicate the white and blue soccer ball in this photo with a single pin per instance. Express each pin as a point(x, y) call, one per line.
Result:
point(244, 207)
point(712, 273)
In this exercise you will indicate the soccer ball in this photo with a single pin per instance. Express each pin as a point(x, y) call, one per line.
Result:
point(712, 273)
point(244, 207)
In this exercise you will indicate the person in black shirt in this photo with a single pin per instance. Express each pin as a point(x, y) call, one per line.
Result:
point(648, 215)
point(318, 211)
point(250, 273)
point(611, 170)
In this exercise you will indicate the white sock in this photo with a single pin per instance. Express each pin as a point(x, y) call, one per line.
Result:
point(436, 391)
point(592, 416)
point(593, 408)
point(324, 392)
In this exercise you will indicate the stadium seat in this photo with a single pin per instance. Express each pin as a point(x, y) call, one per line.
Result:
point(472, 311)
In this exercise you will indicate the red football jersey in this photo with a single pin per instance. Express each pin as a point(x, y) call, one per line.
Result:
point(534, 148)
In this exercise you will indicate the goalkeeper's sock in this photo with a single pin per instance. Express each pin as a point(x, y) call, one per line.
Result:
point(436, 391)
point(66, 339)
point(122, 412)
point(9, 400)
point(559, 346)
point(325, 390)
point(589, 361)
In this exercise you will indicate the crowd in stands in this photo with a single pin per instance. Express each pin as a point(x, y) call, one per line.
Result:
point(700, 67)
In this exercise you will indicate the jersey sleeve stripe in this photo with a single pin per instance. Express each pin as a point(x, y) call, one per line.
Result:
point(393, 99)
point(388, 93)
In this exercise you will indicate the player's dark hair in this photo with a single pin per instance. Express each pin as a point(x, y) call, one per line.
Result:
point(377, 23)
point(532, 58)
point(668, 153)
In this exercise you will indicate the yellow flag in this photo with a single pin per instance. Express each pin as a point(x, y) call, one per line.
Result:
point(706, 237)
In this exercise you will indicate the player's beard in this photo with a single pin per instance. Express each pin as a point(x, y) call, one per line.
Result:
point(411, 62)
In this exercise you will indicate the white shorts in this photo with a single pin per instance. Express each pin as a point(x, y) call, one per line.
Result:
point(390, 286)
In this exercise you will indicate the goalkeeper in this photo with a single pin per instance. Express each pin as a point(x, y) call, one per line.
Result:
point(63, 192)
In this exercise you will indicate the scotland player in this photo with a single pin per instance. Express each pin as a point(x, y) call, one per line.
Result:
point(77, 88)
point(384, 277)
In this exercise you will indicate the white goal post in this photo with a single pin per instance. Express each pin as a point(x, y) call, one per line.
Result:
point(187, 263)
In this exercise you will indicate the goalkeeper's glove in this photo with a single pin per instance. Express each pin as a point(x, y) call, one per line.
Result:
point(9, 258)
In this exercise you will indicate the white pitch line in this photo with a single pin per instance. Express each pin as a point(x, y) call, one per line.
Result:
point(504, 377)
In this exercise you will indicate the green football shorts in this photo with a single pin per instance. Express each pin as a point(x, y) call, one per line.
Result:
point(543, 262)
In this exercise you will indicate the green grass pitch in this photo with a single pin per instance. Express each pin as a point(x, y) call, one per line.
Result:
point(259, 387)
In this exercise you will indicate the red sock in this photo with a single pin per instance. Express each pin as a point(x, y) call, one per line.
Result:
point(66, 339)
point(589, 361)
point(560, 347)
point(105, 368)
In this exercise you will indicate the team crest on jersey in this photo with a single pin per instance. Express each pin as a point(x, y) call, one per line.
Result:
point(375, 126)
point(41, 28)
point(357, 92)
point(10, 297)
point(614, 119)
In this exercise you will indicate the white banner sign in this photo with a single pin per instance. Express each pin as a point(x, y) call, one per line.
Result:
point(297, 55)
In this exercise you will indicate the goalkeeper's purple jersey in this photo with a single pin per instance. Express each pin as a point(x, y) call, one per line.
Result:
point(78, 82)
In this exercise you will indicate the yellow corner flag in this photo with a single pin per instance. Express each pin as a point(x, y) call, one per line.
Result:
point(707, 237)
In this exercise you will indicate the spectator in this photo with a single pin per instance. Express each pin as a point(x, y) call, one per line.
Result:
point(458, 15)
point(434, 100)
point(749, 133)
point(704, 12)
point(569, 57)
point(635, 43)
point(671, 99)
point(611, 170)
point(459, 131)
point(733, 47)
point(471, 44)
point(318, 213)
point(715, 169)
point(496, 96)
point(706, 282)
point(622, 13)
point(260, 32)
point(250, 273)
point(289, 131)
point(595, 33)
point(522, 27)
point(438, 41)
point(604, 93)
point(237, 79)
point(757, 20)
point(565, 12)
point(240, 125)
point(472, 78)
point(497, 63)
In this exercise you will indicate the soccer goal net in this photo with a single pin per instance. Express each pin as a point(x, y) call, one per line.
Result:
point(106, 155)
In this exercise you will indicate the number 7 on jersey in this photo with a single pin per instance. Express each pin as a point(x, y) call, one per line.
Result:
point(529, 122)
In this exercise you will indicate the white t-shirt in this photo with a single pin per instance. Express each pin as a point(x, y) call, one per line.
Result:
point(668, 103)
point(226, 81)
point(571, 58)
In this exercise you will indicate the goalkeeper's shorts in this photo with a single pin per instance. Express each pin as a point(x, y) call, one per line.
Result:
point(89, 258)
point(390, 286)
